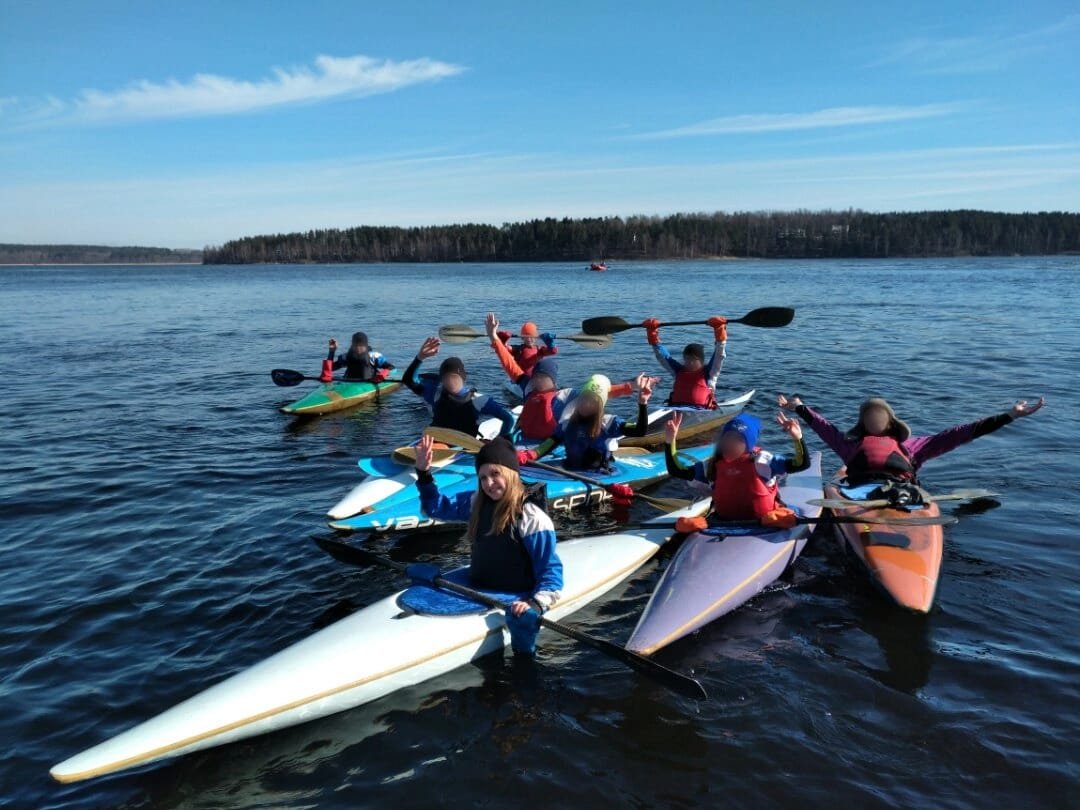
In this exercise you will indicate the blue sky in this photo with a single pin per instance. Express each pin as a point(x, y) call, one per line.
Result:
point(186, 124)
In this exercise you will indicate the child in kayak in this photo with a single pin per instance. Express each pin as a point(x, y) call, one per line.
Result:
point(589, 435)
point(880, 448)
point(361, 362)
point(543, 402)
point(530, 351)
point(512, 539)
point(694, 379)
point(743, 478)
point(453, 405)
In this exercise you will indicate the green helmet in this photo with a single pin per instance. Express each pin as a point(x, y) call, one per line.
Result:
point(598, 386)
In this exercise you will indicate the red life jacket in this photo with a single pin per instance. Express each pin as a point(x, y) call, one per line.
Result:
point(879, 457)
point(738, 491)
point(537, 421)
point(692, 388)
point(527, 357)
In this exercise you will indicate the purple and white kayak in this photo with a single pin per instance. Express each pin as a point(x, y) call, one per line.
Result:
point(714, 573)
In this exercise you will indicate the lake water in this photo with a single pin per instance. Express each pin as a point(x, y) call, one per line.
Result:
point(157, 513)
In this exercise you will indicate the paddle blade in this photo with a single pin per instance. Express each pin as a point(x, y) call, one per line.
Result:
point(606, 325)
point(767, 317)
point(665, 504)
point(343, 552)
point(406, 456)
point(591, 341)
point(458, 333)
point(964, 495)
point(286, 377)
point(454, 438)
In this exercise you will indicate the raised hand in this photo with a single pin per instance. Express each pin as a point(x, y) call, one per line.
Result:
point(644, 379)
point(429, 349)
point(1023, 408)
point(645, 390)
point(788, 404)
point(425, 449)
point(671, 428)
point(333, 345)
point(491, 323)
point(790, 426)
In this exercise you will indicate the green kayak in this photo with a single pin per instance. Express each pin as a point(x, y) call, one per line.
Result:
point(337, 396)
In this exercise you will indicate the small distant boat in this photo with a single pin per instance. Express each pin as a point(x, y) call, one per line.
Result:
point(598, 267)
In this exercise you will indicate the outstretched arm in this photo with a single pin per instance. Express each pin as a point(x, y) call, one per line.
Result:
point(924, 448)
point(825, 430)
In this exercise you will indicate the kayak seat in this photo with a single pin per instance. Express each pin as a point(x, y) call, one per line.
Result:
point(429, 601)
point(882, 538)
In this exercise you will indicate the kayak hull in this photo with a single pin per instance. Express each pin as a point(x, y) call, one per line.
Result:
point(363, 657)
point(697, 422)
point(903, 561)
point(338, 396)
point(563, 494)
point(712, 574)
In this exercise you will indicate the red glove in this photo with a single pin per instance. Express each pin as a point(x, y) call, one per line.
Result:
point(652, 331)
point(719, 328)
point(689, 525)
point(779, 518)
point(621, 494)
point(525, 456)
point(327, 371)
point(504, 336)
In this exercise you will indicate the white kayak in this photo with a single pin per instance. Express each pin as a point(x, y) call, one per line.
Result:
point(361, 658)
point(375, 489)
point(697, 422)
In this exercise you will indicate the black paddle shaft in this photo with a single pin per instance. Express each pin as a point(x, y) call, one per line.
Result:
point(683, 685)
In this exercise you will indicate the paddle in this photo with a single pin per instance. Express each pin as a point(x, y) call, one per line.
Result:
point(471, 445)
point(463, 333)
point(764, 317)
point(958, 495)
point(683, 685)
point(287, 378)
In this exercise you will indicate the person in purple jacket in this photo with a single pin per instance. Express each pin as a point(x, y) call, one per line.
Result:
point(880, 448)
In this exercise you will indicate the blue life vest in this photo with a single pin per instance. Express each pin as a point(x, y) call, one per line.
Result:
point(499, 561)
point(456, 413)
point(584, 452)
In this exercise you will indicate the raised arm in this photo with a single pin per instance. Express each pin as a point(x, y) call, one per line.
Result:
point(799, 460)
point(716, 362)
point(825, 430)
point(432, 502)
point(640, 426)
point(502, 351)
point(924, 448)
point(663, 356)
point(675, 467)
point(430, 348)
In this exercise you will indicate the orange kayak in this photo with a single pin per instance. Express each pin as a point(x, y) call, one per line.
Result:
point(904, 561)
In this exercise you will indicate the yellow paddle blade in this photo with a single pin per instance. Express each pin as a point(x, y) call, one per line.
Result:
point(407, 456)
point(626, 452)
point(665, 504)
point(456, 438)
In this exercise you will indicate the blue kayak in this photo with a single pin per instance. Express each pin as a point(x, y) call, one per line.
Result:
point(403, 513)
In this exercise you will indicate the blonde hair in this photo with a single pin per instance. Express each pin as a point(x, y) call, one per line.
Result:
point(595, 425)
point(507, 509)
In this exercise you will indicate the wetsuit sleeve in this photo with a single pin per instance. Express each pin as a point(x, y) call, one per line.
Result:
point(339, 362)
point(507, 361)
point(436, 505)
point(489, 407)
point(411, 381)
point(796, 462)
point(548, 445)
point(676, 469)
point(666, 361)
point(827, 432)
point(923, 448)
point(639, 427)
point(716, 363)
point(538, 537)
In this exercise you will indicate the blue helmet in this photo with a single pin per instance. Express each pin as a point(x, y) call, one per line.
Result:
point(749, 427)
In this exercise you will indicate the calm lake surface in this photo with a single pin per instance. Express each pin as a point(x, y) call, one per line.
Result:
point(157, 511)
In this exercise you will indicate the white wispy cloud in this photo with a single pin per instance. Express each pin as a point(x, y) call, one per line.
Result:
point(819, 119)
point(206, 94)
point(981, 53)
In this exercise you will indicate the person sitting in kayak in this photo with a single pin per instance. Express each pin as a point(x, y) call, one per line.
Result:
point(453, 405)
point(695, 380)
point(590, 436)
point(533, 348)
point(880, 448)
point(361, 362)
point(743, 478)
point(512, 539)
point(543, 402)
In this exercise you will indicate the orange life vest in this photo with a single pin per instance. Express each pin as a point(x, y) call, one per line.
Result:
point(738, 491)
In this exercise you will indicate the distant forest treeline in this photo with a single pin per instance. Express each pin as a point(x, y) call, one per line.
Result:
point(794, 234)
point(94, 254)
